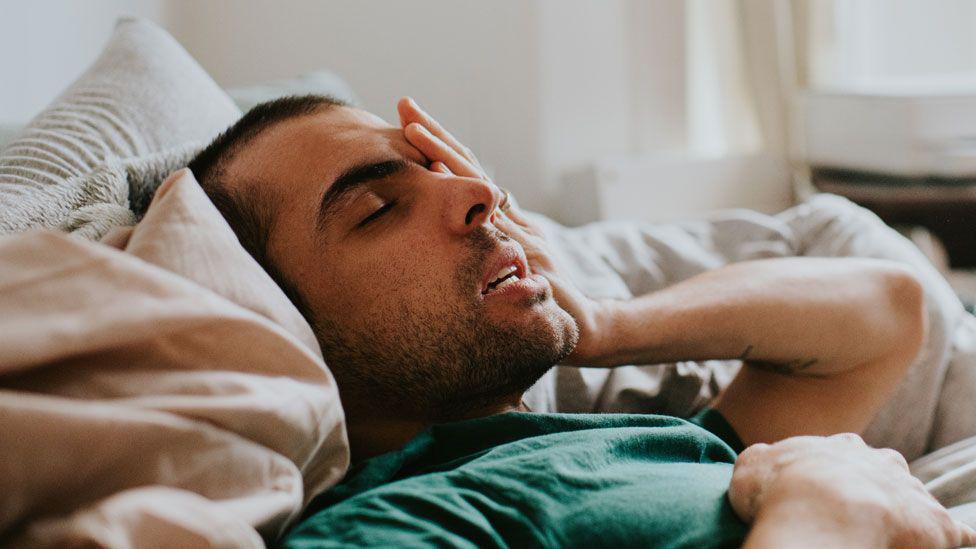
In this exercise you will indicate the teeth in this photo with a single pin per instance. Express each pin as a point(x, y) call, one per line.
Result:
point(500, 279)
point(511, 280)
point(505, 271)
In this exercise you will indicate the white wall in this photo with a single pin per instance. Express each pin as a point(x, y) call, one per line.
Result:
point(871, 42)
point(473, 64)
point(535, 88)
point(46, 44)
point(538, 88)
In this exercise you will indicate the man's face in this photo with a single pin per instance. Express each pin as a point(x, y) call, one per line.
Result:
point(396, 264)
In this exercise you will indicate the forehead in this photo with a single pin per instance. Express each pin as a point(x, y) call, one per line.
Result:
point(308, 152)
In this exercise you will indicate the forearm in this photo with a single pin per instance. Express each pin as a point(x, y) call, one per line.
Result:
point(818, 314)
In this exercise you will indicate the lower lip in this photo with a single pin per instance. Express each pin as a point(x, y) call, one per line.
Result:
point(523, 287)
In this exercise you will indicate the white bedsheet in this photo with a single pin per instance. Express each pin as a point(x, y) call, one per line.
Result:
point(621, 259)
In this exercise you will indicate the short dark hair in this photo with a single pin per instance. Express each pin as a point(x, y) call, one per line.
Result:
point(248, 207)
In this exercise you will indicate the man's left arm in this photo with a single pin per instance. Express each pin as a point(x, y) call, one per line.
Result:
point(803, 316)
point(825, 341)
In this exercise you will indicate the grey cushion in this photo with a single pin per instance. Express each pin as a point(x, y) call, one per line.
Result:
point(246, 97)
point(143, 96)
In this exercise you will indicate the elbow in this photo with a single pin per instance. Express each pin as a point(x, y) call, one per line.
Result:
point(906, 296)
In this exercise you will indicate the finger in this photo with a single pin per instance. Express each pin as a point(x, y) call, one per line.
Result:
point(512, 229)
point(439, 166)
point(895, 457)
point(849, 437)
point(513, 211)
point(410, 112)
point(405, 112)
point(436, 150)
point(740, 496)
point(960, 534)
point(508, 225)
point(968, 535)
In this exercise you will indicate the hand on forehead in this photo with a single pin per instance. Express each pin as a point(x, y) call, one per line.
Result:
point(435, 142)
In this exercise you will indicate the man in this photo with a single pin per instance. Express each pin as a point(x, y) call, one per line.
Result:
point(437, 305)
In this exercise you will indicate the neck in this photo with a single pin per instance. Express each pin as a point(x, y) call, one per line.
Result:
point(371, 435)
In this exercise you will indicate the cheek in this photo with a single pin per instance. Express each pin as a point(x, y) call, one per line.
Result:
point(420, 274)
point(401, 276)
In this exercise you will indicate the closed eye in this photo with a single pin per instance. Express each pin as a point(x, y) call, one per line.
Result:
point(377, 214)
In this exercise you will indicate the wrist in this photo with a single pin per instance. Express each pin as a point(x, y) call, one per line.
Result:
point(596, 325)
point(801, 522)
point(797, 525)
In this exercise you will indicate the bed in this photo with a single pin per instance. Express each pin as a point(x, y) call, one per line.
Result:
point(148, 399)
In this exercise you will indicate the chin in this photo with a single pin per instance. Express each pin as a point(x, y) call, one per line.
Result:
point(568, 331)
point(536, 308)
point(541, 320)
point(560, 326)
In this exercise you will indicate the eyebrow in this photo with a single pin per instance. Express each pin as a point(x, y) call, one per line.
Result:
point(355, 178)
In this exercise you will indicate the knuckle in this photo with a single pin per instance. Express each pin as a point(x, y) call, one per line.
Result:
point(895, 457)
point(740, 483)
point(891, 453)
point(743, 492)
point(747, 459)
point(757, 449)
point(967, 534)
point(921, 536)
point(848, 437)
point(946, 523)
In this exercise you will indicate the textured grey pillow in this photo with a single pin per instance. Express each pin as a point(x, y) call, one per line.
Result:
point(137, 111)
point(119, 189)
point(7, 132)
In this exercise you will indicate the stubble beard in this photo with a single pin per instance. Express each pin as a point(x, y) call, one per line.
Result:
point(450, 361)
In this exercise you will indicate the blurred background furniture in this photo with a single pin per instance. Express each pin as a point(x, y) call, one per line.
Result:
point(944, 206)
point(622, 109)
point(906, 150)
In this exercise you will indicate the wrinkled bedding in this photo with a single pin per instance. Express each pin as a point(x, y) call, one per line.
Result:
point(167, 412)
point(933, 408)
point(142, 408)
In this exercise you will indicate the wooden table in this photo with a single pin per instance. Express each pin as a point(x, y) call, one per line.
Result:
point(946, 207)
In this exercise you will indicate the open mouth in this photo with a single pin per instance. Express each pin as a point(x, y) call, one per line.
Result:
point(506, 275)
point(507, 269)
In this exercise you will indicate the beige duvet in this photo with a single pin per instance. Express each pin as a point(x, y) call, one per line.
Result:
point(146, 401)
point(158, 389)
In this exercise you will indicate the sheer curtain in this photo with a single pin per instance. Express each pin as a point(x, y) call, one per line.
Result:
point(717, 90)
point(891, 43)
point(750, 62)
point(747, 61)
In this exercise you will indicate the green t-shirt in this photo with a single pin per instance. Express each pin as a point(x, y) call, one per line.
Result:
point(539, 480)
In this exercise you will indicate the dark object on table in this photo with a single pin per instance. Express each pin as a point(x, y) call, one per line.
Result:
point(946, 206)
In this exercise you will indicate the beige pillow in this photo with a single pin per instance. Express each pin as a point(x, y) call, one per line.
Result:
point(184, 233)
point(130, 395)
point(238, 420)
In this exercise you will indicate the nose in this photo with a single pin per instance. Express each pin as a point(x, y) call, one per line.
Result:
point(469, 203)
